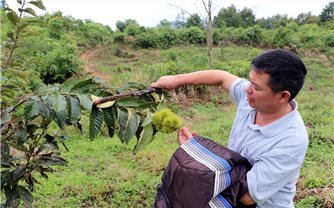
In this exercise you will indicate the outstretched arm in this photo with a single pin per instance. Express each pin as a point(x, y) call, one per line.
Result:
point(206, 77)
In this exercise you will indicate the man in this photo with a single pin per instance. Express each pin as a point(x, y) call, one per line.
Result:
point(267, 128)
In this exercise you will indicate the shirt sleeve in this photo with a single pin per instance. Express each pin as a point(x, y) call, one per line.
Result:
point(237, 90)
point(271, 172)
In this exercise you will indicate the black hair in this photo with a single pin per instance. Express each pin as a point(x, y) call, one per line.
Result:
point(286, 70)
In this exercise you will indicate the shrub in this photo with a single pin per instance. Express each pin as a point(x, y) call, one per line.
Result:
point(167, 37)
point(146, 40)
point(57, 65)
point(193, 35)
point(329, 39)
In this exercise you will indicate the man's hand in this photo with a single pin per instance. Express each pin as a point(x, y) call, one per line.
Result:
point(246, 199)
point(184, 135)
point(168, 83)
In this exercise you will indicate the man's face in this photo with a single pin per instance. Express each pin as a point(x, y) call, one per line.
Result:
point(259, 94)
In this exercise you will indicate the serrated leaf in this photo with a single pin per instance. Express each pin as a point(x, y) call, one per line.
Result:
point(13, 17)
point(30, 11)
point(68, 84)
point(85, 102)
point(61, 111)
point(73, 109)
point(95, 122)
point(39, 4)
point(130, 102)
point(109, 115)
point(146, 137)
point(129, 123)
point(26, 195)
point(83, 87)
point(31, 109)
point(148, 119)
point(6, 115)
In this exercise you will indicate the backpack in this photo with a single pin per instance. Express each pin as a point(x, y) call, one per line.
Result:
point(201, 174)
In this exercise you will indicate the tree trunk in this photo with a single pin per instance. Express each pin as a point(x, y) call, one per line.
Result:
point(209, 32)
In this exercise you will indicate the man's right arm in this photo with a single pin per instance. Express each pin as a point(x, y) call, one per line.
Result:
point(205, 77)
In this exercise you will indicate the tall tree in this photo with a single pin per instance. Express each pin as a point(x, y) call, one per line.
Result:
point(229, 17)
point(194, 20)
point(327, 13)
point(209, 31)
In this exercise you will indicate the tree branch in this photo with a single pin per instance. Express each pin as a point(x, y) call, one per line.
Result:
point(130, 94)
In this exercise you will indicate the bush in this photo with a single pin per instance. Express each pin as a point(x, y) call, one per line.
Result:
point(253, 35)
point(146, 40)
point(329, 39)
point(58, 64)
point(167, 37)
point(92, 34)
point(193, 35)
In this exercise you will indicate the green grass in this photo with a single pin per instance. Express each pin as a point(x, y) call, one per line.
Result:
point(105, 173)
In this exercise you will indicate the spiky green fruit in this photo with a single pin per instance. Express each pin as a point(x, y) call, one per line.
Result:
point(166, 121)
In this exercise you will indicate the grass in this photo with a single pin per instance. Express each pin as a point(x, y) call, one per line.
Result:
point(105, 173)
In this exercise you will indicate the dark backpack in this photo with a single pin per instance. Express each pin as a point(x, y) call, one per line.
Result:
point(203, 174)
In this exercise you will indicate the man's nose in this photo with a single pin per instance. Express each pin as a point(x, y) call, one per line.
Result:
point(249, 89)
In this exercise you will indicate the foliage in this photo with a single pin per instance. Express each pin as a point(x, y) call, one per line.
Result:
point(92, 34)
point(128, 116)
point(193, 35)
point(194, 21)
point(58, 64)
point(327, 13)
point(28, 145)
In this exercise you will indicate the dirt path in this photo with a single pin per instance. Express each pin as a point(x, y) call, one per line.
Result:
point(90, 68)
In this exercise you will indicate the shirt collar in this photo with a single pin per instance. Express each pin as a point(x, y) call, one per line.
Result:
point(279, 125)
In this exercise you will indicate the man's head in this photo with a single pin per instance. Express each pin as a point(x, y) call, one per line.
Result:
point(285, 69)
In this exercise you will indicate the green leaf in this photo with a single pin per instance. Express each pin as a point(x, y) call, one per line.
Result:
point(129, 123)
point(21, 132)
point(146, 137)
point(95, 122)
point(19, 172)
point(134, 85)
point(32, 108)
point(39, 4)
point(130, 102)
point(6, 115)
point(84, 86)
point(19, 1)
point(85, 102)
point(30, 11)
point(148, 119)
point(12, 17)
point(5, 152)
point(21, 27)
point(73, 109)
point(61, 111)
point(110, 115)
point(26, 195)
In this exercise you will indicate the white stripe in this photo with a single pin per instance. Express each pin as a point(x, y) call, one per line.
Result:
point(211, 163)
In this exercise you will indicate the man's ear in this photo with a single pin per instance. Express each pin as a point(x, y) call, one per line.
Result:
point(284, 96)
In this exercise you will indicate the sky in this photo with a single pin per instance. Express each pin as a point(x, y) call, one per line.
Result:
point(149, 13)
